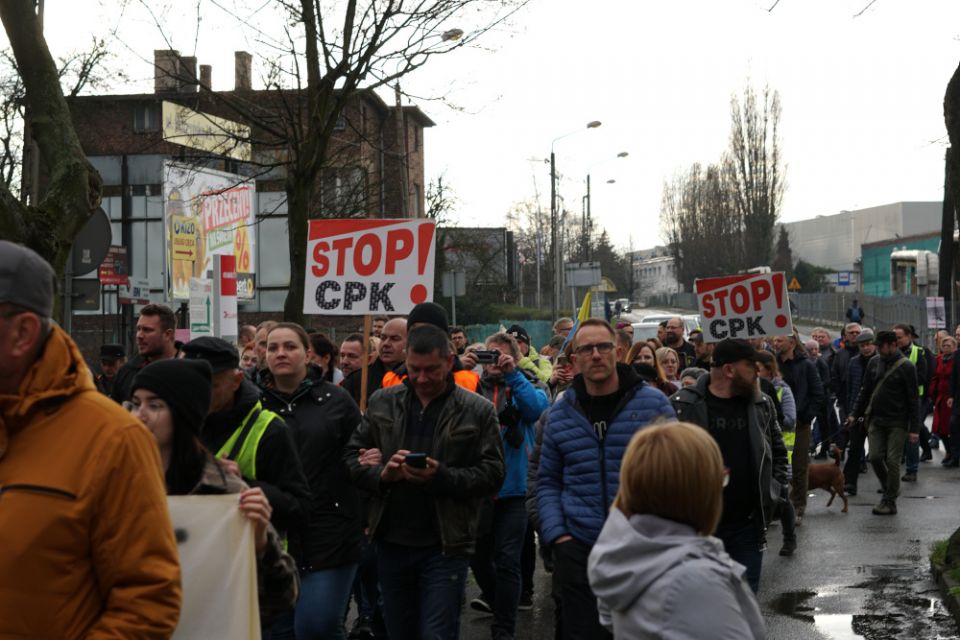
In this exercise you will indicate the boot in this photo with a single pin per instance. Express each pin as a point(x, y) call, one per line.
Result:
point(885, 508)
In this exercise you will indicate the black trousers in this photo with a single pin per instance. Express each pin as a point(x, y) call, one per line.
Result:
point(581, 620)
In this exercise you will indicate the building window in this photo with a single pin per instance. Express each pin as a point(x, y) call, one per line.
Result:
point(344, 192)
point(341, 123)
point(146, 117)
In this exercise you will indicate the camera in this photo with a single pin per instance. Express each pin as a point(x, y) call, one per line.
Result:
point(487, 356)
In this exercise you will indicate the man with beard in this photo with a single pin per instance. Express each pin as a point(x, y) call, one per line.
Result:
point(743, 421)
point(673, 338)
point(156, 327)
point(888, 405)
point(702, 349)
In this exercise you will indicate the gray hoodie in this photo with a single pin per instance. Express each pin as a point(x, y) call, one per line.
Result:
point(655, 578)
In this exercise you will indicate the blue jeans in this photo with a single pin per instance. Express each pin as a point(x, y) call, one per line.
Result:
point(324, 596)
point(741, 540)
point(422, 591)
point(496, 564)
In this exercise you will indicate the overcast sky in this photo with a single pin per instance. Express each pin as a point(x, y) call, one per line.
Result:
point(862, 97)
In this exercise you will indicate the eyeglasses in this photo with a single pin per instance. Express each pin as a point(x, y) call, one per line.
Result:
point(603, 348)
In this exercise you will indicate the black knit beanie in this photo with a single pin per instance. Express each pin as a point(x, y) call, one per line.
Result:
point(428, 313)
point(185, 385)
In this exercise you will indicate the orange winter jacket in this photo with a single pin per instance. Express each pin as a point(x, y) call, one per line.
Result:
point(86, 545)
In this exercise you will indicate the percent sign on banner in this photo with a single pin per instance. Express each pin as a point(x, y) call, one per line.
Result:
point(749, 305)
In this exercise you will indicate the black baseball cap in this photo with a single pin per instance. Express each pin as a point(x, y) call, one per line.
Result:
point(519, 333)
point(730, 350)
point(221, 355)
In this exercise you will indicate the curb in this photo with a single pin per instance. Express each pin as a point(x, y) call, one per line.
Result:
point(945, 583)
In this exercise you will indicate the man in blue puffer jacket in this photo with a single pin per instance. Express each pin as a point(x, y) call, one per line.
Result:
point(584, 440)
point(496, 564)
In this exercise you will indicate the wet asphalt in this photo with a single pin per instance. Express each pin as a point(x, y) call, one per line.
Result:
point(854, 575)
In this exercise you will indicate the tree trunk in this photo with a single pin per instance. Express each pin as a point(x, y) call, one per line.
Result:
point(299, 198)
point(74, 187)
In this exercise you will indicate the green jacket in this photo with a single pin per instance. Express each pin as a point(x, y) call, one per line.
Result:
point(466, 444)
point(537, 365)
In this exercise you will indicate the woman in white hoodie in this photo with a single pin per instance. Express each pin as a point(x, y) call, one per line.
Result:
point(656, 570)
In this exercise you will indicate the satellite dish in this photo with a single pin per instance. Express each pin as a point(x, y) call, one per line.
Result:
point(92, 243)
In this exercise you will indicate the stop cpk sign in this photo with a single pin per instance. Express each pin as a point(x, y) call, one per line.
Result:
point(750, 305)
point(358, 267)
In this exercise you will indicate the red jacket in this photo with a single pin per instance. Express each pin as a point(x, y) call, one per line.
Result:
point(940, 393)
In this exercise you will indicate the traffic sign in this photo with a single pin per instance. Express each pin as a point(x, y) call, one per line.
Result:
point(794, 284)
point(113, 269)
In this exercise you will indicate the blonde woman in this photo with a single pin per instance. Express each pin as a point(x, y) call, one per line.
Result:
point(669, 361)
point(656, 570)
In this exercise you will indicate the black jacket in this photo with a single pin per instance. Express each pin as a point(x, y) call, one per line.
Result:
point(839, 370)
point(801, 374)
point(466, 443)
point(124, 379)
point(321, 417)
point(375, 372)
point(897, 403)
point(766, 440)
point(279, 472)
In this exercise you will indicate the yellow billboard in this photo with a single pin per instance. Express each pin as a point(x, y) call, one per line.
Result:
point(182, 125)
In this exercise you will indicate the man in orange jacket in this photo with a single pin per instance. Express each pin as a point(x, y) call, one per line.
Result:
point(87, 549)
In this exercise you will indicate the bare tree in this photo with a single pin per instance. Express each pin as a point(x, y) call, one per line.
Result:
point(74, 187)
point(756, 169)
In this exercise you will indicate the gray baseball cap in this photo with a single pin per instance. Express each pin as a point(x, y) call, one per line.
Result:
point(26, 279)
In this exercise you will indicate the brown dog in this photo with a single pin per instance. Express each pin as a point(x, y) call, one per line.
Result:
point(829, 477)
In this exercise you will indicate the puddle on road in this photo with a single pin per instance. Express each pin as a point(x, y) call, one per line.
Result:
point(890, 604)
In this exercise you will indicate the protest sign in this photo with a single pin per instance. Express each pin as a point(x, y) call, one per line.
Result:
point(357, 267)
point(749, 305)
point(218, 570)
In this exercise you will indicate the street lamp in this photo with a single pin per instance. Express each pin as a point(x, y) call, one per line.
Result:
point(554, 228)
point(587, 221)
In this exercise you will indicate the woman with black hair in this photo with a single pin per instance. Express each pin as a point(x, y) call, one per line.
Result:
point(172, 397)
point(324, 354)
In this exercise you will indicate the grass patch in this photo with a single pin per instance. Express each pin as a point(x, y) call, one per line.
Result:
point(938, 552)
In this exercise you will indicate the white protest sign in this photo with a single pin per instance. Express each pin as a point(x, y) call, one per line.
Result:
point(218, 570)
point(750, 305)
point(936, 313)
point(201, 307)
point(225, 296)
point(358, 267)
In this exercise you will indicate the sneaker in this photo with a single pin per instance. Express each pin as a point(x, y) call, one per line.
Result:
point(481, 605)
point(885, 509)
point(927, 456)
point(526, 602)
point(850, 490)
point(909, 477)
point(789, 546)
point(362, 629)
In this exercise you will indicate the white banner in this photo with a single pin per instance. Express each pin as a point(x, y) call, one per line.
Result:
point(218, 569)
point(749, 305)
point(358, 267)
point(207, 213)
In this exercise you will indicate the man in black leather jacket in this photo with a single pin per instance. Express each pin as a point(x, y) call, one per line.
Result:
point(423, 514)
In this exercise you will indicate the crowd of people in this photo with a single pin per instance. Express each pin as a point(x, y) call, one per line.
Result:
point(379, 473)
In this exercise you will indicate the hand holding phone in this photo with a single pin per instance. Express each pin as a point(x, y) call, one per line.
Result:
point(416, 460)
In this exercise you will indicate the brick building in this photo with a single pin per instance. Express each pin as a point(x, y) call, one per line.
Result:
point(375, 165)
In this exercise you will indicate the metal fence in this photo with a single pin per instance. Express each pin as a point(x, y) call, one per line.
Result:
point(830, 309)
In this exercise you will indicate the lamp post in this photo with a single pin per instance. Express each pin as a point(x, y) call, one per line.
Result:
point(587, 222)
point(554, 223)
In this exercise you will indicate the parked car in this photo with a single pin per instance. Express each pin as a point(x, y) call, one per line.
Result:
point(690, 321)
